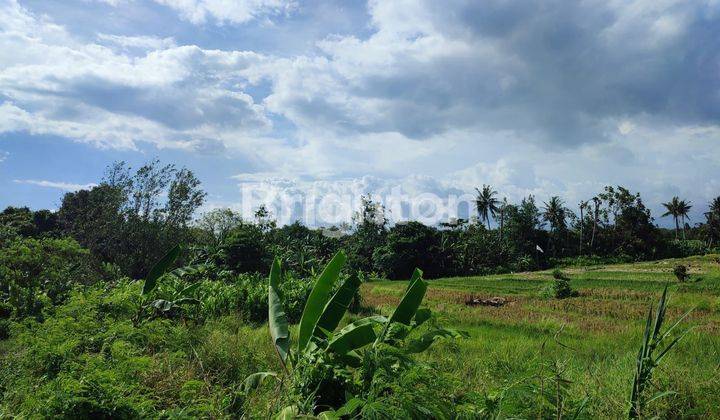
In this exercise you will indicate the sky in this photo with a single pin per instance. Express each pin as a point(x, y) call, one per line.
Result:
point(349, 97)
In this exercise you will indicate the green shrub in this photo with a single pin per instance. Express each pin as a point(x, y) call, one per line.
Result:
point(35, 273)
point(408, 246)
point(358, 367)
point(681, 272)
point(559, 288)
point(87, 360)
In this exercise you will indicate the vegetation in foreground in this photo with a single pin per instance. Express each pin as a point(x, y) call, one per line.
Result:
point(534, 356)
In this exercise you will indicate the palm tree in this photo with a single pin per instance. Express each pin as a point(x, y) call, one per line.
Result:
point(487, 204)
point(673, 209)
point(713, 220)
point(714, 207)
point(683, 211)
point(503, 207)
point(554, 213)
point(582, 205)
point(596, 216)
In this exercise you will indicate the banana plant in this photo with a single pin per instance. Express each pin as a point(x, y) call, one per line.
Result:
point(322, 314)
point(184, 296)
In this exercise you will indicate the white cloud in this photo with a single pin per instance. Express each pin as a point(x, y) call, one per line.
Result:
point(141, 42)
point(533, 98)
point(230, 11)
point(3, 156)
point(171, 96)
point(65, 186)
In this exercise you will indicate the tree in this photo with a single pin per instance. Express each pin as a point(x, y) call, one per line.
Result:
point(673, 209)
point(582, 205)
point(19, 219)
point(713, 221)
point(683, 210)
point(409, 245)
point(370, 232)
point(523, 227)
point(132, 218)
point(245, 250)
point(596, 216)
point(554, 212)
point(184, 197)
point(502, 209)
point(486, 203)
point(218, 223)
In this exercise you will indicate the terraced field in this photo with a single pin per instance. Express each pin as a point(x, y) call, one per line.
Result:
point(519, 353)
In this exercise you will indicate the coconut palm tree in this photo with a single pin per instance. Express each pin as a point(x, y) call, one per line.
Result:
point(502, 209)
point(673, 209)
point(582, 205)
point(713, 220)
point(683, 210)
point(554, 213)
point(487, 204)
point(596, 216)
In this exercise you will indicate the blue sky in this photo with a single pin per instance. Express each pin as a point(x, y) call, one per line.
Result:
point(533, 97)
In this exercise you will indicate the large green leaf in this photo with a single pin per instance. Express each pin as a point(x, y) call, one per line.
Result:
point(421, 344)
point(277, 320)
point(255, 380)
point(159, 269)
point(410, 303)
point(318, 298)
point(349, 339)
point(375, 319)
point(336, 307)
point(288, 413)
point(188, 291)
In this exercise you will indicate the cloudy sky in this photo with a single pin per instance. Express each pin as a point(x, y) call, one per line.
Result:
point(533, 97)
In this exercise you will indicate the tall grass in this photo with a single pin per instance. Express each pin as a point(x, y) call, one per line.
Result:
point(652, 351)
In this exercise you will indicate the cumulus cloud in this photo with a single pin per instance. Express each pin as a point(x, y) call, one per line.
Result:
point(141, 42)
point(64, 186)
point(230, 11)
point(538, 97)
point(551, 71)
point(173, 96)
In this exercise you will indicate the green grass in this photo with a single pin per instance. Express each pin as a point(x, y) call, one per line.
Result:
point(595, 335)
point(88, 359)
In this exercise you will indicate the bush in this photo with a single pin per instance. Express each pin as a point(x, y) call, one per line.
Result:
point(36, 272)
point(681, 272)
point(88, 361)
point(560, 288)
point(408, 246)
point(245, 250)
point(367, 365)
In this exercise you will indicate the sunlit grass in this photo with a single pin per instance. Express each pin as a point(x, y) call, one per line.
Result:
point(599, 333)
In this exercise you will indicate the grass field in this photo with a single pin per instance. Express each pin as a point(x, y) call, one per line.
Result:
point(517, 352)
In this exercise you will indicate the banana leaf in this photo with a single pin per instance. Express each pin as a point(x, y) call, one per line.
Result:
point(352, 339)
point(336, 307)
point(277, 320)
point(318, 298)
point(159, 269)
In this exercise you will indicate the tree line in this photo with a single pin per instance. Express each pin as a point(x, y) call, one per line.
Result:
point(133, 216)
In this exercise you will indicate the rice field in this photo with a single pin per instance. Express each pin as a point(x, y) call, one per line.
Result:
point(518, 353)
